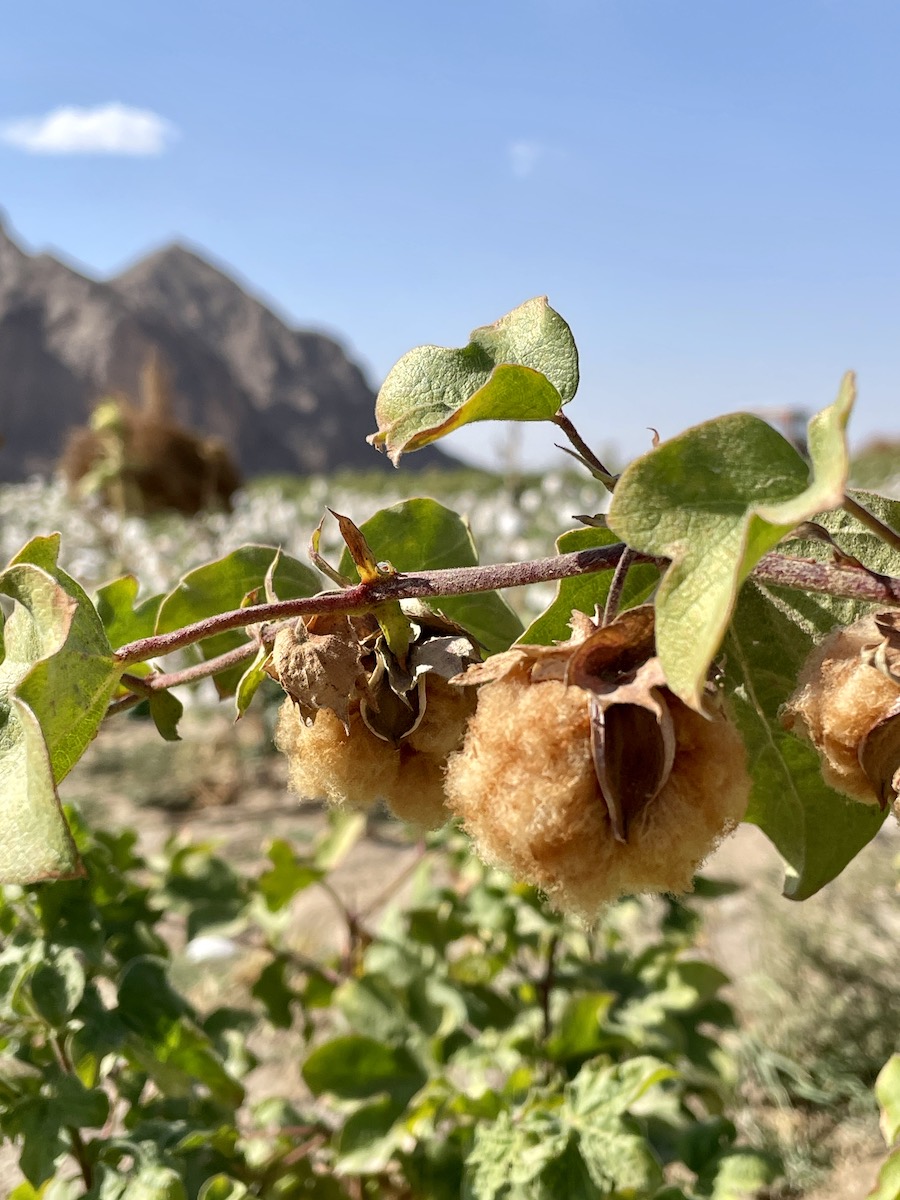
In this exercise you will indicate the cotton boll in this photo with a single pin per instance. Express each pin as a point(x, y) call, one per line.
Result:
point(359, 769)
point(840, 698)
point(525, 788)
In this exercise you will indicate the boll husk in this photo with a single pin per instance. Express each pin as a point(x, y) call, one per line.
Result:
point(847, 703)
point(582, 774)
point(359, 726)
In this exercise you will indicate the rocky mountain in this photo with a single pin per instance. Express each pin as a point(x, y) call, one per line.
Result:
point(282, 399)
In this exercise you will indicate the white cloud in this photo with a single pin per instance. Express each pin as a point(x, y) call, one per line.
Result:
point(107, 129)
point(524, 156)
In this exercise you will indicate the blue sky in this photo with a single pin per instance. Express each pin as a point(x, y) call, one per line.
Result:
point(707, 190)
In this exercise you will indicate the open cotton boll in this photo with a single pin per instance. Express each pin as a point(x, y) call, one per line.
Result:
point(841, 698)
point(525, 788)
point(359, 769)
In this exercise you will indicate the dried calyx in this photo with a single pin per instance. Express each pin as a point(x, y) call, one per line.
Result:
point(847, 703)
point(584, 774)
point(363, 722)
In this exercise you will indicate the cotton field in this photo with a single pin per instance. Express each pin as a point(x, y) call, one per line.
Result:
point(510, 520)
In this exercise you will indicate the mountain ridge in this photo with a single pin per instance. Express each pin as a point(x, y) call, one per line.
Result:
point(283, 399)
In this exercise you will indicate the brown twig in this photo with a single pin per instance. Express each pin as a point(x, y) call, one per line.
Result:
point(453, 581)
point(779, 570)
point(78, 1146)
point(616, 587)
point(585, 453)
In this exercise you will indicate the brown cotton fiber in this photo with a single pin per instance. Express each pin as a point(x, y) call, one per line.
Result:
point(525, 788)
point(838, 699)
point(359, 769)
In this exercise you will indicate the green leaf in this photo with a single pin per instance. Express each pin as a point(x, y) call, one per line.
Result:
point(422, 535)
point(887, 1091)
point(738, 1175)
point(221, 586)
point(36, 1121)
point(524, 367)
point(510, 1157)
point(57, 985)
point(36, 842)
point(249, 683)
point(578, 1032)
point(223, 1187)
point(58, 657)
point(154, 1182)
point(585, 593)
point(77, 1105)
point(366, 1144)
point(887, 1186)
point(123, 619)
point(816, 830)
point(287, 876)
point(272, 991)
point(376, 1004)
point(56, 678)
point(357, 1068)
point(602, 1091)
point(714, 500)
point(166, 711)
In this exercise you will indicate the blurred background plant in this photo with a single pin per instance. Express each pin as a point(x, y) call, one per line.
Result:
point(466, 1041)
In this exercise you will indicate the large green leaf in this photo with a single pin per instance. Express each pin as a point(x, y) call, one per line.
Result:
point(67, 688)
point(714, 500)
point(359, 1068)
point(35, 842)
point(223, 585)
point(422, 535)
point(522, 368)
point(56, 678)
point(587, 592)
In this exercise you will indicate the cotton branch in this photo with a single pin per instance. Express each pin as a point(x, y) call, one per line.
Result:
point(363, 597)
point(776, 570)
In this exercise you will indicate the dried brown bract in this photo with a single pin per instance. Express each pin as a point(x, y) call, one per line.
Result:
point(582, 774)
point(359, 724)
point(847, 703)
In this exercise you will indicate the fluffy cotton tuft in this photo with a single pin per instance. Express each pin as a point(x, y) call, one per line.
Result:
point(525, 788)
point(359, 769)
point(839, 698)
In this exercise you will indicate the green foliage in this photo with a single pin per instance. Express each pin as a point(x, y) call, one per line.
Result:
point(587, 593)
point(474, 1044)
point(522, 368)
point(124, 619)
point(887, 1090)
point(236, 579)
point(423, 535)
point(714, 500)
point(56, 678)
point(816, 830)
